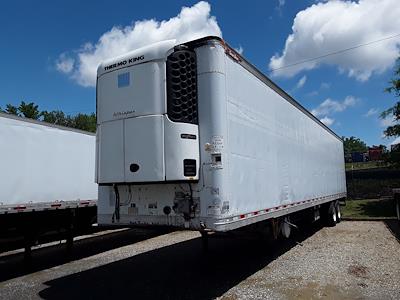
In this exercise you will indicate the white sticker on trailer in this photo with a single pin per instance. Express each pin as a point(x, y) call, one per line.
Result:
point(217, 142)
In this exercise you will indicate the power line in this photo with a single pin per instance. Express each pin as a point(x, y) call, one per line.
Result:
point(335, 52)
point(79, 111)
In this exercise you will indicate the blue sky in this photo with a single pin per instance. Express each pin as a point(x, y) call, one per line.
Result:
point(41, 38)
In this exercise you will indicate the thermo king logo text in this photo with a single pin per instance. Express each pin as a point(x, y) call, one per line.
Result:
point(124, 62)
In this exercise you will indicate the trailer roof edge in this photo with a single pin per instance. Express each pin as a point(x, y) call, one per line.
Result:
point(23, 119)
point(252, 69)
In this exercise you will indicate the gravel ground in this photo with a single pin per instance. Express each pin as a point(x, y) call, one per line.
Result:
point(354, 260)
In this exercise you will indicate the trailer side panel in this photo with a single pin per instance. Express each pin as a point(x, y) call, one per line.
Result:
point(278, 155)
point(43, 164)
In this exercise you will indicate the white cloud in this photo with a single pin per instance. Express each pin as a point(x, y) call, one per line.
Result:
point(371, 112)
point(301, 82)
point(325, 85)
point(312, 93)
point(327, 121)
point(281, 3)
point(191, 23)
point(330, 26)
point(65, 64)
point(396, 141)
point(331, 106)
point(239, 50)
point(388, 121)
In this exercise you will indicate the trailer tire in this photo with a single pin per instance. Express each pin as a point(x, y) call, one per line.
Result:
point(338, 212)
point(331, 216)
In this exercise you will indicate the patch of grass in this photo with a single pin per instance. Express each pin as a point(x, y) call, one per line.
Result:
point(369, 208)
point(371, 188)
point(363, 165)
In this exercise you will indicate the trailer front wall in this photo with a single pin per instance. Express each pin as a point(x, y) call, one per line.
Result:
point(41, 163)
point(277, 155)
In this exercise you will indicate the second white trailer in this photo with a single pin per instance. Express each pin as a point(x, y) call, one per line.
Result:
point(44, 166)
point(194, 136)
point(47, 187)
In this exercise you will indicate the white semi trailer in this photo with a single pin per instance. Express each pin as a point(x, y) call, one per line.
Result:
point(46, 177)
point(194, 136)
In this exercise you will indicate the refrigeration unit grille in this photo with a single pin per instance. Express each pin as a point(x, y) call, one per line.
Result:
point(182, 87)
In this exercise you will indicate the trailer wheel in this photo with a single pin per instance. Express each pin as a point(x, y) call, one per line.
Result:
point(331, 216)
point(338, 212)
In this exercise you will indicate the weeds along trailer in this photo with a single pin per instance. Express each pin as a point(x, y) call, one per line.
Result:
point(194, 136)
point(47, 178)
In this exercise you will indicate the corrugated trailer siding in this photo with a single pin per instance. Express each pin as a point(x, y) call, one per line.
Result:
point(277, 154)
point(43, 163)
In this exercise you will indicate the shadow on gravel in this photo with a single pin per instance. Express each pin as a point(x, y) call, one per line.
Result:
point(394, 227)
point(13, 265)
point(179, 271)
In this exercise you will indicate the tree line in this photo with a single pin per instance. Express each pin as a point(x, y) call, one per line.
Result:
point(353, 144)
point(31, 110)
point(394, 113)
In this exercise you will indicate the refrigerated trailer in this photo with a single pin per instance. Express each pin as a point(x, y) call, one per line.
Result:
point(46, 177)
point(193, 136)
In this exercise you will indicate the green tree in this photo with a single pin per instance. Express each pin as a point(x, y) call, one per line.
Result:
point(29, 110)
point(11, 109)
point(353, 144)
point(85, 122)
point(55, 117)
point(81, 121)
point(393, 157)
point(393, 112)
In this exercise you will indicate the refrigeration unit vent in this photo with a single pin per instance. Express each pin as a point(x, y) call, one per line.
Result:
point(182, 87)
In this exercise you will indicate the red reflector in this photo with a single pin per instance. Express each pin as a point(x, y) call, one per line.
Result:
point(255, 213)
point(242, 216)
point(19, 207)
point(267, 210)
point(85, 203)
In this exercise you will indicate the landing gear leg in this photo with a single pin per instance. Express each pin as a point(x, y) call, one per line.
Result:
point(69, 241)
point(28, 249)
point(204, 241)
point(70, 232)
point(29, 232)
point(275, 228)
